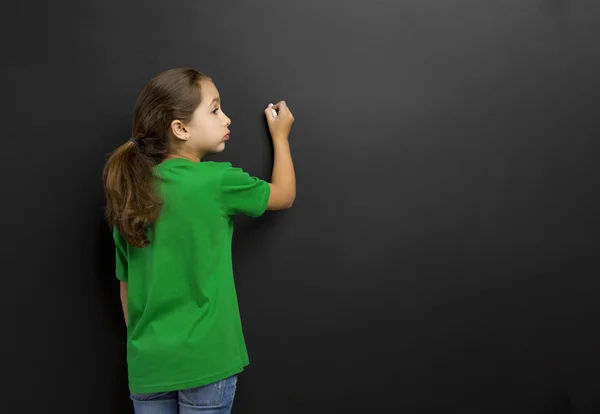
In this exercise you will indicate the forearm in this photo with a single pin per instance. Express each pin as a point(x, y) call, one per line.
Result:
point(283, 175)
point(124, 294)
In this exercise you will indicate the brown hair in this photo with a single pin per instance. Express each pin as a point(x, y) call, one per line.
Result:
point(132, 199)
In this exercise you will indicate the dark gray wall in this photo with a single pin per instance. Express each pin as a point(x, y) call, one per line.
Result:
point(442, 253)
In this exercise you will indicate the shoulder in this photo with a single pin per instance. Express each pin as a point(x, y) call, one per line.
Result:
point(217, 164)
point(194, 173)
point(226, 171)
point(215, 167)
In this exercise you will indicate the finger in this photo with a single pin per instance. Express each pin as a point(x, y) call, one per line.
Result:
point(274, 110)
point(270, 113)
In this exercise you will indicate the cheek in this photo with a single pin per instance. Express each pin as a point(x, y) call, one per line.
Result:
point(218, 123)
point(204, 128)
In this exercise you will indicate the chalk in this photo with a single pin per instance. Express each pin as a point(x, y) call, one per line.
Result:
point(274, 111)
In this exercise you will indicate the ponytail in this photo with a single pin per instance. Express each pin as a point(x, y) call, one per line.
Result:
point(130, 186)
point(132, 203)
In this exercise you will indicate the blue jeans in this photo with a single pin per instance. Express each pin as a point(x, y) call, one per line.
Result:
point(215, 398)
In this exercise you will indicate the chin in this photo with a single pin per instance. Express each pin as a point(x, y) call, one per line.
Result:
point(215, 150)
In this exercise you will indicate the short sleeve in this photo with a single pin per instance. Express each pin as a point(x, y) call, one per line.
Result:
point(120, 256)
point(242, 193)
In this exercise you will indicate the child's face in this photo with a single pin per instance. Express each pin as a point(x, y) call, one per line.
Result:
point(208, 129)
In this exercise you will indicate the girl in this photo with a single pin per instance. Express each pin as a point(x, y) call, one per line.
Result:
point(172, 223)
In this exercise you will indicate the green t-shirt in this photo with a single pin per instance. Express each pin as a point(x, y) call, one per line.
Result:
point(184, 323)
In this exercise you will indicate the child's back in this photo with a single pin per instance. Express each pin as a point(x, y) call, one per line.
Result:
point(183, 316)
point(172, 219)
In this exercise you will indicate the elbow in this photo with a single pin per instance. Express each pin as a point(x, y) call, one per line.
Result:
point(290, 201)
point(280, 199)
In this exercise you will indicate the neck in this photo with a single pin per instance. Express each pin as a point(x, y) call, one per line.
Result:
point(186, 156)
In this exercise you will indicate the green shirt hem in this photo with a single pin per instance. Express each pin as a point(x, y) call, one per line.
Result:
point(137, 389)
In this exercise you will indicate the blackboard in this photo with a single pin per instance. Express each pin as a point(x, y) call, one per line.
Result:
point(442, 252)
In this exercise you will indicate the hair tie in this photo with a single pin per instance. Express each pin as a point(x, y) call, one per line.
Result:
point(135, 142)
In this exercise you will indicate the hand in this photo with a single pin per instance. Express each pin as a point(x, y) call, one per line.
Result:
point(279, 126)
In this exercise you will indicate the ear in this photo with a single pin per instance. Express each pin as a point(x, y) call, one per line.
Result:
point(179, 130)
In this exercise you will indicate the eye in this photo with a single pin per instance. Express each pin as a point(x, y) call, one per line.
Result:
point(215, 110)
